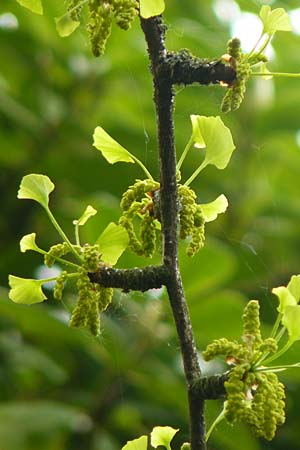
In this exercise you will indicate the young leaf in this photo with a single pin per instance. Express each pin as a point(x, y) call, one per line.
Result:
point(210, 132)
point(276, 20)
point(34, 5)
point(65, 25)
point(112, 243)
point(294, 287)
point(111, 150)
point(26, 291)
point(162, 436)
point(28, 243)
point(212, 209)
point(137, 444)
point(88, 213)
point(285, 298)
point(36, 187)
point(291, 320)
point(151, 8)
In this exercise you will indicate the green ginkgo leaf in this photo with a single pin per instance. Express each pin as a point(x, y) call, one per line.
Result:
point(36, 187)
point(211, 133)
point(34, 5)
point(112, 243)
point(294, 287)
point(137, 444)
point(28, 243)
point(285, 298)
point(88, 213)
point(276, 20)
point(26, 291)
point(162, 436)
point(151, 8)
point(212, 209)
point(111, 150)
point(291, 320)
point(65, 25)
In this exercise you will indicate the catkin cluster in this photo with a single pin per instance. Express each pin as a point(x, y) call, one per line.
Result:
point(56, 251)
point(100, 17)
point(253, 397)
point(256, 399)
point(92, 300)
point(236, 91)
point(138, 203)
point(191, 220)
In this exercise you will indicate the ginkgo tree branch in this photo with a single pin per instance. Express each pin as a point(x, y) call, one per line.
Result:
point(154, 31)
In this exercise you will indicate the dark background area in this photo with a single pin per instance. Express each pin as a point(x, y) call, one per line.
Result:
point(60, 388)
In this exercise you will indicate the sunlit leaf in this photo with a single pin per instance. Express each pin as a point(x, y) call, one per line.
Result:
point(65, 25)
point(34, 5)
point(26, 291)
point(137, 444)
point(162, 436)
point(211, 210)
point(285, 298)
point(150, 8)
point(210, 132)
point(28, 243)
point(88, 213)
point(276, 20)
point(36, 187)
point(294, 287)
point(291, 320)
point(111, 150)
point(112, 243)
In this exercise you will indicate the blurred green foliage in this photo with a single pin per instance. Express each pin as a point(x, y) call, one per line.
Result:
point(60, 388)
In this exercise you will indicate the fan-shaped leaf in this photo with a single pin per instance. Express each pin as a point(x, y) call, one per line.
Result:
point(151, 8)
point(26, 291)
point(34, 5)
point(65, 25)
point(88, 213)
point(137, 444)
point(28, 243)
point(291, 320)
point(111, 150)
point(210, 132)
point(285, 298)
point(112, 242)
point(213, 209)
point(276, 20)
point(36, 187)
point(162, 436)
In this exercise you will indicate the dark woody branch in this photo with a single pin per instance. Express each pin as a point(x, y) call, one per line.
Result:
point(137, 279)
point(210, 387)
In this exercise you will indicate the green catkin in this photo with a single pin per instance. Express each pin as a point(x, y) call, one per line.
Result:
point(86, 312)
point(75, 9)
point(92, 257)
point(104, 298)
point(56, 251)
point(134, 244)
point(253, 397)
point(236, 91)
point(125, 12)
point(234, 48)
point(99, 25)
point(59, 285)
point(187, 199)
point(198, 233)
point(137, 191)
point(251, 322)
point(224, 347)
point(148, 234)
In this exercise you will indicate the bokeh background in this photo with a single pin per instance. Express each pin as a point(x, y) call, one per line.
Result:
point(60, 388)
